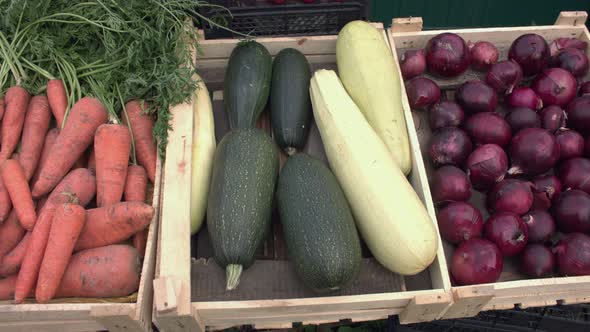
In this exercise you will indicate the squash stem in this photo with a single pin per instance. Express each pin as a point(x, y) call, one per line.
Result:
point(233, 272)
point(290, 151)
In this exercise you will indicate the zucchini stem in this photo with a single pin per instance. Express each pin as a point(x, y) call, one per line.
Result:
point(232, 273)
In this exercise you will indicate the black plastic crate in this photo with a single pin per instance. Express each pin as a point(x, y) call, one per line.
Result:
point(294, 18)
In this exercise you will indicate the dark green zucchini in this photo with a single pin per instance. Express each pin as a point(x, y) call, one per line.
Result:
point(247, 84)
point(322, 240)
point(239, 206)
point(290, 104)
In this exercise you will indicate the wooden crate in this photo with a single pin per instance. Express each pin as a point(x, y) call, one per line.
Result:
point(189, 289)
point(129, 314)
point(513, 289)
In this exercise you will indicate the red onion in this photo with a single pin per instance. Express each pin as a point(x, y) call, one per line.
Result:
point(540, 226)
point(446, 114)
point(546, 188)
point(422, 92)
point(511, 195)
point(575, 173)
point(571, 211)
point(450, 184)
point(584, 88)
point(459, 221)
point(483, 55)
point(578, 114)
point(571, 144)
point(533, 151)
point(587, 147)
point(537, 261)
point(573, 255)
point(562, 43)
point(449, 146)
point(524, 97)
point(504, 76)
point(523, 117)
point(486, 165)
point(477, 261)
point(476, 96)
point(488, 128)
point(555, 86)
point(507, 231)
point(447, 55)
point(412, 63)
point(573, 60)
point(531, 52)
point(552, 118)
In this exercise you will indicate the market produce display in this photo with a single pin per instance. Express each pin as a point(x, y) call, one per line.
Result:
point(519, 137)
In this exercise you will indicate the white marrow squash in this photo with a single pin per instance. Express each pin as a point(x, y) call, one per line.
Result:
point(369, 74)
point(203, 150)
point(389, 215)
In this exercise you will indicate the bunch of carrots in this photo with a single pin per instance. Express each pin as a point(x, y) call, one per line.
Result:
point(56, 240)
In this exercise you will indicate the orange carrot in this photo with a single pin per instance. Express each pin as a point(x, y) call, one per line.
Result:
point(136, 191)
point(112, 144)
point(92, 161)
point(5, 203)
point(11, 262)
point(114, 223)
point(49, 140)
point(36, 125)
point(67, 223)
point(40, 204)
point(142, 126)
point(79, 182)
point(85, 116)
point(58, 100)
point(11, 232)
point(16, 184)
point(7, 286)
point(1, 108)
point(16, 100)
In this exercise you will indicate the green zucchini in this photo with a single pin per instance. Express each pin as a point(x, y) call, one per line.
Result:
point(321, 237)
point(245, 169)
point(247, 84)
point(290, 104)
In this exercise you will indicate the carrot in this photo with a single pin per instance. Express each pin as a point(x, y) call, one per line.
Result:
point(67, 223)
point(1, 108)
point(48, 143)
point(112, 144)
point(114, 223)
point(11, 232)
point(16, 184)
point(5, 203)
point(110, 271)
point(11, 262)
point(142, 126)
point(7, 286)
point(92, 161)
point(40, 204)
point(79, 182)
point(85, 116)
point(136, 191)
point(58, 100)
point(16, 101)
point(35, 128)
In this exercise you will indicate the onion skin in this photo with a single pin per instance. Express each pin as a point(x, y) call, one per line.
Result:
point(504, 76)
point(450, 184)
point(574, 173)
point(555, 86)
point(540, 226)
point(486, 165)
point(562, 43)
point(477, 261)
point(531, 52)
point(446, 114)
point(584, 88)
point(476, 96)
point(578, 114)
point(571, 211)
point(537, 261)
point(573, 60)
point(483, 55)
point(571, 144)
point(552, 118)
point(523, 117)
point(459, 221)
point(533, 151)
point(511, 195)
point(524, 97)
point(507, 231)
point(412, 63)
point(422, 93)
point(587, 147)
point(488, 128)
point(449, 146)
point(447, 55)
point(546, 188)
point(573, 255)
